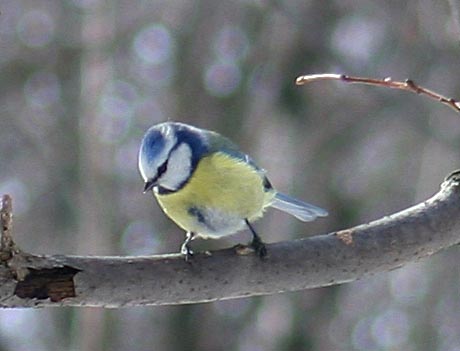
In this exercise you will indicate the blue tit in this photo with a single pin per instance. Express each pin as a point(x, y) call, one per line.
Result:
point(207, 186)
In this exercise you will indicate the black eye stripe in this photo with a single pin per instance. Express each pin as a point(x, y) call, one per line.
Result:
point(162, 168)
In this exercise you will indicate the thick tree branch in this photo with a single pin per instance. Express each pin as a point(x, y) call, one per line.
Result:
point(344, 256)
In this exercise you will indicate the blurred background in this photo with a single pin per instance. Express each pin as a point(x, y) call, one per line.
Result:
point(82, 80)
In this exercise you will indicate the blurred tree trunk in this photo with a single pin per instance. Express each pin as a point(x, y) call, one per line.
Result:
point(95, 200)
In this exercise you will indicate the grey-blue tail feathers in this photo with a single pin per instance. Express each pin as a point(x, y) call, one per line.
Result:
point(301, 210)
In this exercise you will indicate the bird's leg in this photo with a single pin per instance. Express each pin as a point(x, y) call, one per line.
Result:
point(256, 243)
point(185, 248)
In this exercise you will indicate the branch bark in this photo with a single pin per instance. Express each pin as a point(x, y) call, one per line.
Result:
point(32, 280)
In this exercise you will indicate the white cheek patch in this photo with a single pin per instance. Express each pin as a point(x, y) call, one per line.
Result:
point(178, 169)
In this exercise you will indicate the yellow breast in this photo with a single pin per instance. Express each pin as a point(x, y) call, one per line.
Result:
point(221, 193)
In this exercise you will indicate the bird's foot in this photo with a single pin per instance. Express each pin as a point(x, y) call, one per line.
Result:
point(257, 243)
point(187, 252)
point(259, 247)
point(185, 248)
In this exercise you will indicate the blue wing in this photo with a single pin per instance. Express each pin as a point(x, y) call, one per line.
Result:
point(217, 142)
point(301, 210)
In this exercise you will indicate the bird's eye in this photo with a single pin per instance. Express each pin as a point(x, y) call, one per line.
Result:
point(162, 168)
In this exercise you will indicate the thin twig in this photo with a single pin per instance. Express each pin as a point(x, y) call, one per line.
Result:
point(407, 85)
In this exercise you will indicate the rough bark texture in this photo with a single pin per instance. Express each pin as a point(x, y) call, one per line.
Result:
point(382, 245)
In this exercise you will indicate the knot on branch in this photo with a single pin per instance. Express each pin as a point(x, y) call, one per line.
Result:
point(7, 246)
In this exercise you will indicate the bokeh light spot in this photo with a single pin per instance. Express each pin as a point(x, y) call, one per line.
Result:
point(391, 329)
point(231, 44)
point(361, 336)
point(19, 192)
point(42, 89)
point(138, 239)
point(222, 79)
point(12, 322)
point(36, 28)
point(409, 285)
point(357, 38)
point(116, 106)
point(154, 44)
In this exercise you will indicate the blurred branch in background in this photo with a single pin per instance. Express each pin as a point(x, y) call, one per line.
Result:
point(318, 261)
point(97, 195)
point(455, 17)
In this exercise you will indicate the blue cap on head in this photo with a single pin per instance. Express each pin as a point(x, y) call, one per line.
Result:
point(153, 144)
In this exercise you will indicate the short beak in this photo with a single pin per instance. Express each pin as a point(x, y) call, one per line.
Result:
point(149, 185)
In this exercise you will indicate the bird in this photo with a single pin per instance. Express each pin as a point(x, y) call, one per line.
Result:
point(208, 187)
